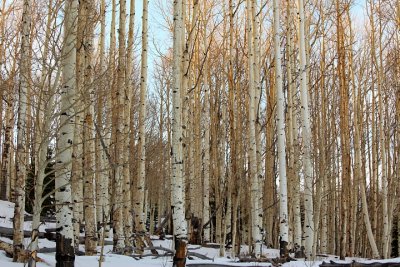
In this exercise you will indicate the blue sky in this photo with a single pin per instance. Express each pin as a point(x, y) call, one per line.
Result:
point(159, 36)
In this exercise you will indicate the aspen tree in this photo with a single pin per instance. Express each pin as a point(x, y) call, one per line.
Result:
point(358, 118)
point(129, 140)
point(3, 181)
point(140, 215)
point(177, 179)
point(256, 36)
point(255, 212)
point(192, 99)
point(232, 131)
point(225, 153)
point(283, 204)
point(354, 199)
point(269, 183)
point(65, 237)
point(77, 152)
point(128, 199)
point(89, 197)
point(125, 94)
point(118, 222)
point(323, 228)
point(8, 160)
point(344, 136)
point(397, 38)
point(7, 155)
point(42, 140)
point(21, 156)
point(293, 142)
point(206, 149)
point(102, 211)
point(374, 147)
point(130, 46)
point(111, 119)
point(306, 137)
point(384, 173)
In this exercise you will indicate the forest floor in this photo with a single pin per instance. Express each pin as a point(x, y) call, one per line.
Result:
point(148, 260)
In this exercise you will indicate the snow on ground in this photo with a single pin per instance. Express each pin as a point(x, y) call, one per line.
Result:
point(113, 260)
point(7, 213)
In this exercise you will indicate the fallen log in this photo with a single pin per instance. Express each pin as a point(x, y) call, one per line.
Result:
point(212, 264)
point(9, 233)
point(359, 264)
point(7, 248)
point(48, 234)
point(198, 255)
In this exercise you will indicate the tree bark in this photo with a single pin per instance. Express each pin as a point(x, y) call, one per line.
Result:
point(306, 136)
point(65, 256)
point(21, 156)
point(140, 217)
point(177, 179)
point(280, 100)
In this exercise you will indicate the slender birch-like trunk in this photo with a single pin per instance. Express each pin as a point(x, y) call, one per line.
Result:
point(283, 204)
point(102, 212)
point(293, 172)
point(177, 179)
point(255, 227)
point(3, 180)
point(44, 117)
point(206, 148)
point(306, 136)
point(323, 146)
point(140, 215)
point(118, 220)
point(65, 255)
point(21, 156)
point(77, 152)
point(386, 231)
point(358, 118)
point(6, 158)
point(344, 137)
point(89, 196)
point(128, 182)
point(232, 133)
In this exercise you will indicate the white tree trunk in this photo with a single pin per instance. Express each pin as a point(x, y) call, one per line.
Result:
point(306, 139)
point(283, 203)
point(119, 136)
point(255, 212)
point(177, 180)
point(21, 156)
point(206, 148)
point(293, 136)
point(140, 215)
point(65, 236)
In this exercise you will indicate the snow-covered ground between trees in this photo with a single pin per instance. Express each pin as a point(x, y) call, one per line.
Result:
point(113, 260)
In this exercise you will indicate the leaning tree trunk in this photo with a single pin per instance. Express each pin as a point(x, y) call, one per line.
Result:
point(177, 180)
point(65, 236)
point(21, 159)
